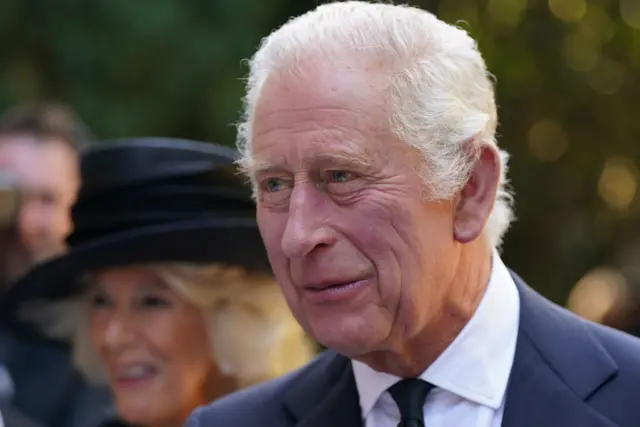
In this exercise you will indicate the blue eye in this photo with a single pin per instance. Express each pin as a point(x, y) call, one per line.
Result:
point(340, 176)
point(273, 184)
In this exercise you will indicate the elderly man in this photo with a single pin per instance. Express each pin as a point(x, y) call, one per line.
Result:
point(370, 140)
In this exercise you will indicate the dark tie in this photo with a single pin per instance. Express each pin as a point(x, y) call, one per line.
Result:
point(410, 395)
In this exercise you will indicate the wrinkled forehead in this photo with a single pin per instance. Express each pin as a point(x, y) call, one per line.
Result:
point(337, 115)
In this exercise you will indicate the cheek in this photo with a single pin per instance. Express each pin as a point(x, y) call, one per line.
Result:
point(96, 328)
point(402, 237)
point(272, 226)
point(379, 227)
point(61, 224)
point(183, 341)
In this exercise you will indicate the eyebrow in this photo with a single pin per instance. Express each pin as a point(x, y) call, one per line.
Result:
point(323, 159)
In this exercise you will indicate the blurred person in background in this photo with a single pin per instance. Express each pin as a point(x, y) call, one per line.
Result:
point(166, 292)
point(39, 145)
point(9, 210)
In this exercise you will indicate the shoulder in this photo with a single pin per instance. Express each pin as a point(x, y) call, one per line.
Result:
point(597, 363)
point(579, 340)
point(619, 348)
point(624, 350)
point(248, 407)
point(260, 405)
point(566, 338)
point(612, 356)
point(618, 397)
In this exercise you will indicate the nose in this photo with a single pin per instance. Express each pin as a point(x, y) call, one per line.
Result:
point(307, 228)
point(118, 333)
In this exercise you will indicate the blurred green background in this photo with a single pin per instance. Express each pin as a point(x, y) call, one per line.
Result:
point(568, 84)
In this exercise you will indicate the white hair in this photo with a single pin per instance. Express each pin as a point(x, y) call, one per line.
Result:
point(442, 97)
point(252, 333)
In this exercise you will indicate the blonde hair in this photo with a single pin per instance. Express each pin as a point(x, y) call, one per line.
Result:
point(252, 333)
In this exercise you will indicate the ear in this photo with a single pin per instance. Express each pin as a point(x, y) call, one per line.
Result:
point(476, 199)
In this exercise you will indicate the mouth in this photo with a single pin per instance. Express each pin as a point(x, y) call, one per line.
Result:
point(135, 375)
point(334, 292)
point(336, 287)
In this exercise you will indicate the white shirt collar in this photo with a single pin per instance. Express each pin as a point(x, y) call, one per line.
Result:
point(477, 364)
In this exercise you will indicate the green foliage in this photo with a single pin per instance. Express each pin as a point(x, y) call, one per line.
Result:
point(567, 84)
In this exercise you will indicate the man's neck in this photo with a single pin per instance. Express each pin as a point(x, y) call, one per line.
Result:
point(411, 358)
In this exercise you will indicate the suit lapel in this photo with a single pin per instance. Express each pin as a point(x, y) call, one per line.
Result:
point(327, 396)
point(536, 396)
point(558, 364)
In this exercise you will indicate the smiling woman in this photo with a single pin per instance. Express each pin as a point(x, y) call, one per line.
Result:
point(168, 337)
point(165, 294)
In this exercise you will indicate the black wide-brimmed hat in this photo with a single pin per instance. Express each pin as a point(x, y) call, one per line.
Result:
point(149, 200)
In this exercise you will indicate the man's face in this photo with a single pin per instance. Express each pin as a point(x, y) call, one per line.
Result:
point(364, 262)
point(47, 173)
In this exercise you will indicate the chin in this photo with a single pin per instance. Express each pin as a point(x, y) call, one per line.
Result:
point(138, 413)
point(349, 340)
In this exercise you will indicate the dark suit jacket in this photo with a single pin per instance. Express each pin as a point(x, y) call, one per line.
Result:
point(47, 388)
point(567, 373)
point(11, 417)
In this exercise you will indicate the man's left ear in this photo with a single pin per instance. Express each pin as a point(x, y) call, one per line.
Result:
point(476, 199)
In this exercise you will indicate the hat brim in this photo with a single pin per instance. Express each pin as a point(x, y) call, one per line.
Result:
point(229, 241)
